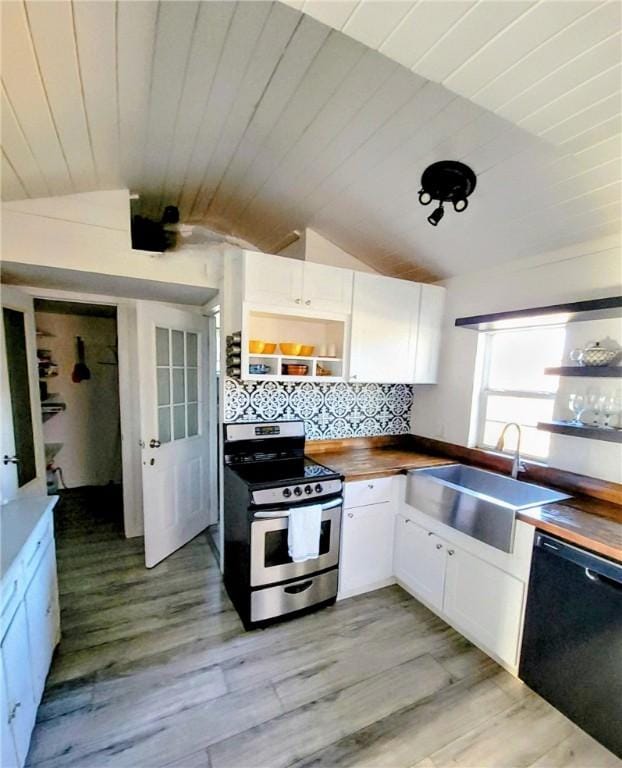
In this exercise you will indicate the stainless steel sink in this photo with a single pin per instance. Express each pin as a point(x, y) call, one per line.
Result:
point(479, 503)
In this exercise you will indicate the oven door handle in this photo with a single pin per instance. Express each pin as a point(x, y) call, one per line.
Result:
point(274, 514)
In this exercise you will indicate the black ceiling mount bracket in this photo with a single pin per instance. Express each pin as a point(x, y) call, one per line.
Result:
point(447, 181)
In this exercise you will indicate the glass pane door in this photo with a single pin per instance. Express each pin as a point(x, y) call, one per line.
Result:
point(178, 384)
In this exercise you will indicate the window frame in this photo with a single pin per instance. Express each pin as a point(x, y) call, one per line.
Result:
point(485, 391)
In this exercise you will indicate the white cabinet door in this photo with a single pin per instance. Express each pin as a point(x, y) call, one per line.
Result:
point(273, 280)
point(429, 334)
point(484, 601)
point(22, 708)
point(8, 756)
point(420, 561)
point(385, 312)
point(327, 289)
point(42, 615)
point(366, 558)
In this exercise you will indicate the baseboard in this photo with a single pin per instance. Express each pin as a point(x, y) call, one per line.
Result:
point(369, 588)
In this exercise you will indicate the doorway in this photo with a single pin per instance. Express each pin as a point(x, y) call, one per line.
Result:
point(77, 355)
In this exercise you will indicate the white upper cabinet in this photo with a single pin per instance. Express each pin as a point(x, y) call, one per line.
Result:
point(273, 280)
point(396, 330)
point(385, 313)
point(283, 282)
point(327, 289)
point(429, 333)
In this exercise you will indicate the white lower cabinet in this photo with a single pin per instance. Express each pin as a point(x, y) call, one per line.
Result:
point(420, 561)
point(479, 599)
point(485, 601)
point(366, 548)
point(20, 707)
point(42, 617)
point(30, 628)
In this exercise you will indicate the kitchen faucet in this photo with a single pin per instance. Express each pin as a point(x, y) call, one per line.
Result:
point(517, 464)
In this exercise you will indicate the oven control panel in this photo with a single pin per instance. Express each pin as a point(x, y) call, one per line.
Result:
point(296, 494)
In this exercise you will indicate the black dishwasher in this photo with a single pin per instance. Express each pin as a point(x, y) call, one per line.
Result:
point(572, 642)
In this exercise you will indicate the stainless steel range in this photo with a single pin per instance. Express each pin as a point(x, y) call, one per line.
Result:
point(266, 475)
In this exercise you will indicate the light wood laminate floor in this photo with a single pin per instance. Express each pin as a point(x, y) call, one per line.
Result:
point(154, 669)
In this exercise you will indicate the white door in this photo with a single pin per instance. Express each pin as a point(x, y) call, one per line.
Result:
point(274, 280)
point(327, 289)
point(384, 329)
point(22, 464)
point(21, 706)
point(366, 558)
point(485, 602)
point(420, 561)
point(175, 440)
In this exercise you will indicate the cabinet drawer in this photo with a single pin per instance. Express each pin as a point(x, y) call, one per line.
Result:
point(11, 594)
point(364, 492)
point(36, 546)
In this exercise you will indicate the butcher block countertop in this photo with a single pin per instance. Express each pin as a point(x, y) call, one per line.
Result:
point(593, 523)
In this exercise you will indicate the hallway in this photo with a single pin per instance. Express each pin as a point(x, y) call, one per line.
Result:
point(154, 669)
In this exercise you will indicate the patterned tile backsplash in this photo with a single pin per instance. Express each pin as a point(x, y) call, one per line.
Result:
point(330, 411)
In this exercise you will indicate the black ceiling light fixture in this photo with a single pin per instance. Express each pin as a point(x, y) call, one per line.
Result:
point(447, 181)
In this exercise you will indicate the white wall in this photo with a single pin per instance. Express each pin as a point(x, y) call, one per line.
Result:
point(586, 271)
point(90, 232)
point(311, 246)
point(89, 428)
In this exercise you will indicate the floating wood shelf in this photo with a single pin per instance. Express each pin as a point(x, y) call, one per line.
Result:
point(555, 314)
point(582, 430)
point(594, 371)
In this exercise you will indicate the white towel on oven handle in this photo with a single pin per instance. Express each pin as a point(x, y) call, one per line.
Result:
point(303, 532)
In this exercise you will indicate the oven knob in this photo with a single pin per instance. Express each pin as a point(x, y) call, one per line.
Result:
point(287, 493)
point(298, 491)
point(318, 488)
point(308, 490)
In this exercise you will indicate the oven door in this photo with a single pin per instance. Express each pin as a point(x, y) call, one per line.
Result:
point(270, 560)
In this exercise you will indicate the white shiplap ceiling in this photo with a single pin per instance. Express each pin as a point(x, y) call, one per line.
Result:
point(257, 119)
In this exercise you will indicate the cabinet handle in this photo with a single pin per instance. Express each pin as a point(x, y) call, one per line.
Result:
point(439, 546)
point(13, 713)
point(307, 302)
point(450, 551)
point(370, 486)
point(350, 514)
point(354, 376)
point(430, 533)
point(10, 459)
point(34, 553)
point(298, 301)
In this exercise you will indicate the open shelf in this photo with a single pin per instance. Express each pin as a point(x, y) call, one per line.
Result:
point(51, 407)
point(321, 333)
point(593, 371)
point(582, 430)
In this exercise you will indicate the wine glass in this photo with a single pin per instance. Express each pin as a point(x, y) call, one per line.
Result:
point(611, 406)
point(578, 406)
point(595, 403)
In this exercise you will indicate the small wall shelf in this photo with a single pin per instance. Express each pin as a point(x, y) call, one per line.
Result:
point(582, 430)
point(594, 371)
point(555, 314)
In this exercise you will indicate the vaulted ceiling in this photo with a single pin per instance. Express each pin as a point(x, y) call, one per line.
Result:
point(258, 118)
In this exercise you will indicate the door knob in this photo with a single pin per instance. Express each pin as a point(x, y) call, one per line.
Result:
point(450, 551)
point(10, 460)
point(154, 443)
point(307, 302)
point(298, 301)
point(439, 546)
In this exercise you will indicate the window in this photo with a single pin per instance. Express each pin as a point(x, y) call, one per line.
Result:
point(515, 387)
